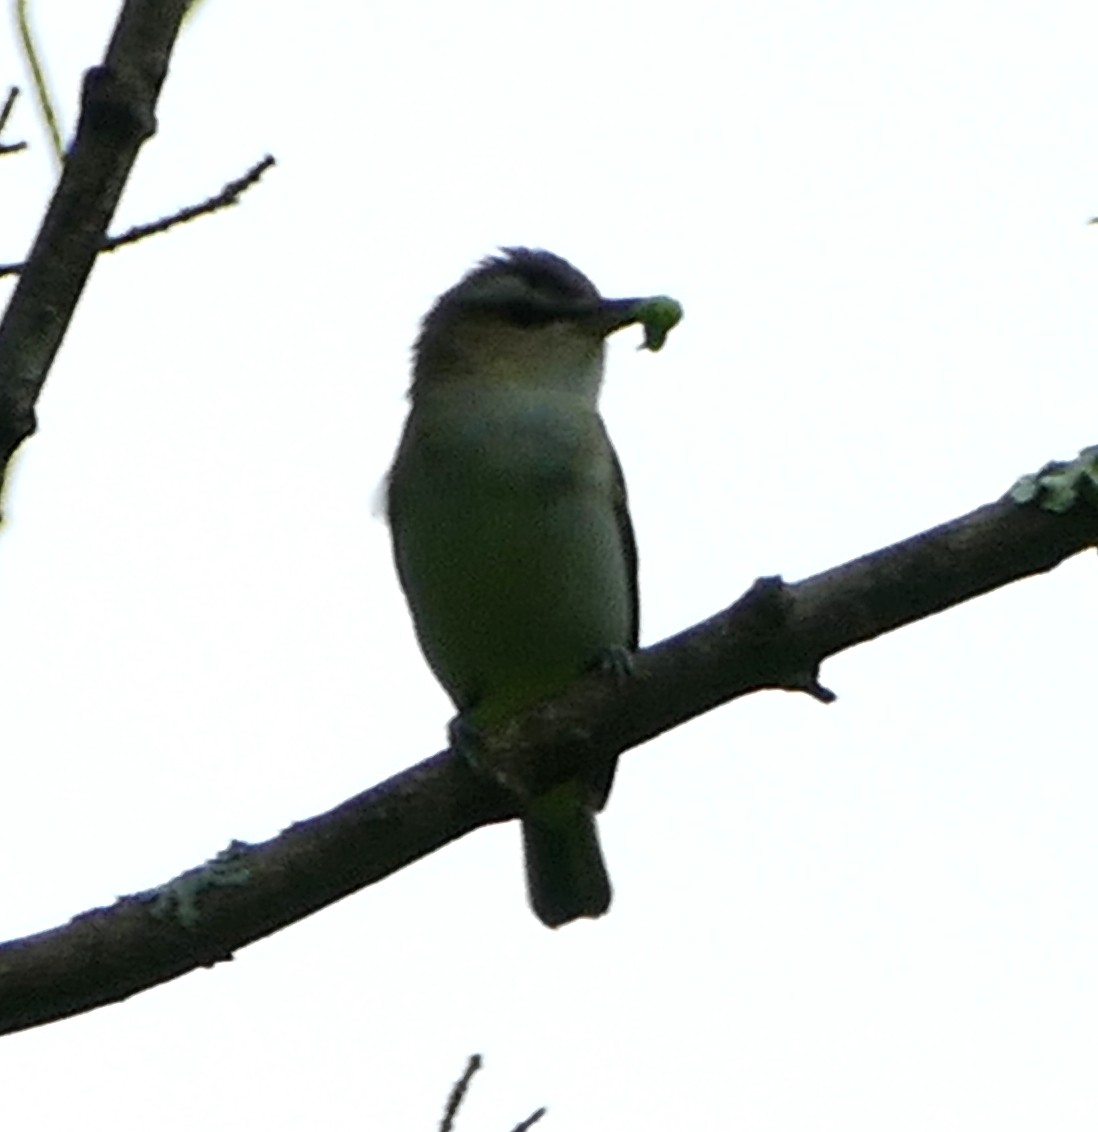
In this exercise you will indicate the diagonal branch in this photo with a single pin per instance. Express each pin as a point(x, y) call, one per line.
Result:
point(117, 117)
point(774, 637)
point(457, 1093)
point(229, 195)
point(5, 114)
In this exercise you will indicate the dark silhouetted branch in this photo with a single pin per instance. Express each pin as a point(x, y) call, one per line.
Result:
point(457, 1093)
point(117, 116)
point(775, 636)
point(5, 114)
point(227, 197)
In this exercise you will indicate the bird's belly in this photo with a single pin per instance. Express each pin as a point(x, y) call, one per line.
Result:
point(517, 582)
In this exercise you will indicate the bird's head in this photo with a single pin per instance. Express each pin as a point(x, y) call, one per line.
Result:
point(523, 317)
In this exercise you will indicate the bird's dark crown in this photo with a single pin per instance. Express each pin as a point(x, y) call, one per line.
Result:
point(524, 286)
point(546, 274)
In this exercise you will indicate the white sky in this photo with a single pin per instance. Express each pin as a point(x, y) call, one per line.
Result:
point(882, 914)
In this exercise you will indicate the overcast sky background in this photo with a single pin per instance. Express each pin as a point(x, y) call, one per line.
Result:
point(879, 914)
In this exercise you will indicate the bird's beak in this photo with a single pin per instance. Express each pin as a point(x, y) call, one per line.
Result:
point(614, 314)
point(656, 314)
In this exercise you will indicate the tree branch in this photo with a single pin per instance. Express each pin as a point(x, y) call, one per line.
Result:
point(457, 1096)
point(5, 114)
point(229, 195)
point(457, 1093)
point(116, 118)
point(775, 636)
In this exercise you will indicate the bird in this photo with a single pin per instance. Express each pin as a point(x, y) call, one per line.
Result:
point(510, 526)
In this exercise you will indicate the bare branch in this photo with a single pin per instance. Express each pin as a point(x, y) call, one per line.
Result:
point(42, 93)
point(457, 1093)
point(530, 1121)
point(5, 114)
point(6, 109)
point(227, 197)
point(775, 636)
point(461, 1087)
point(116, 118)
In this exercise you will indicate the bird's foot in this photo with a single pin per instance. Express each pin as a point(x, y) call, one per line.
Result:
point(467, 742)
point(615, 661)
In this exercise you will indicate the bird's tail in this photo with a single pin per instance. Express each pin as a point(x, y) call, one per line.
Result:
point(566, 876)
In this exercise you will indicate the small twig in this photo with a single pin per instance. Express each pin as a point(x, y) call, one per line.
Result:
point(38, 80)
point(228, 196)
point(6, 109)
point(457, 1093)
point(530, 1121)
point(5, 114)
point(461, 1087)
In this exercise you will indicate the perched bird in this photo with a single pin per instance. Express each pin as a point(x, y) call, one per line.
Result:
point(510, 528)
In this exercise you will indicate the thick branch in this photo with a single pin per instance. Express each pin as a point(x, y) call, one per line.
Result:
point(116, 118)
point(773, 637)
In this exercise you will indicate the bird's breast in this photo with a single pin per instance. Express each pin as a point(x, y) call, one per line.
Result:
point(503, 440)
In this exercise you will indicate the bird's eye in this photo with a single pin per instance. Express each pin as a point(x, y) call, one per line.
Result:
point(531, 311)
point(520, 306)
